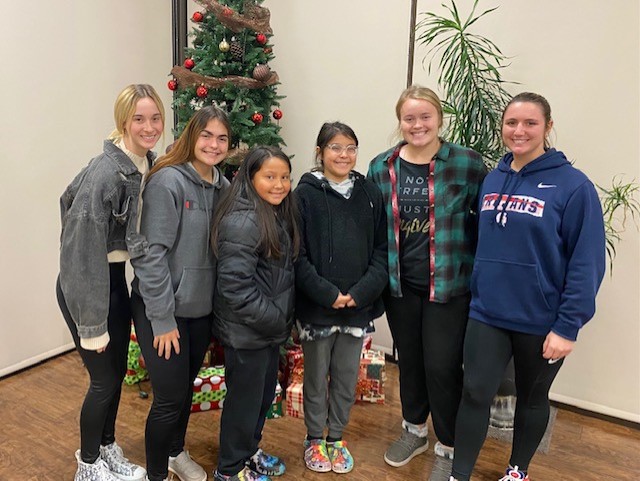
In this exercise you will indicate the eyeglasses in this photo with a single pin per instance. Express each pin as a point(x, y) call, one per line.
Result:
point(339, 149)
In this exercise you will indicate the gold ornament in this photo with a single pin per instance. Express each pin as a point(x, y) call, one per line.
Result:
point(224, 46)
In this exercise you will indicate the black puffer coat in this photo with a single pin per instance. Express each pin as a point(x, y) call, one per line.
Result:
point(254, 295)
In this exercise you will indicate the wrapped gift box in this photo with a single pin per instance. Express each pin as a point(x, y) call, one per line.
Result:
point(209, 389)
point(292, 365)
point(276, 410)
point(366, 342)
point(136, 369)
point(370, 386)
point(294, 401)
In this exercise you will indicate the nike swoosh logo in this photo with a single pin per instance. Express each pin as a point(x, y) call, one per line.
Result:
point(546, 186)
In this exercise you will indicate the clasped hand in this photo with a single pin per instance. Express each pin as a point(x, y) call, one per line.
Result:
point(343, 300)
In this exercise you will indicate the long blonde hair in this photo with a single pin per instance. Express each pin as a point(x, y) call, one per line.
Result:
point(126, 104)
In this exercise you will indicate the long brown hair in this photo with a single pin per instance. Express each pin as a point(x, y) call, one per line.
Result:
point(183, 148)
point(242, 186)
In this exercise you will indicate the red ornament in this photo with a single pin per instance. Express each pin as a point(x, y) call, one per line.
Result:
point(227, 12)
point(202, 91)
point(261, 38)
point(277, 114)
point(197, 17)
point(172, 84)
point(189, 63)
point(257, 118)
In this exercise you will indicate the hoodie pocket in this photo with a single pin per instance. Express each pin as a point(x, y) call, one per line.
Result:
point(508, 290)
point(194, 296)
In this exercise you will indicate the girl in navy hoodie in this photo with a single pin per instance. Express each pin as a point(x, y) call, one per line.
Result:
point(538, 267)
point(340, 275)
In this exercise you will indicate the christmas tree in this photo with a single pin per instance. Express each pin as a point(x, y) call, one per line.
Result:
point(228, 66)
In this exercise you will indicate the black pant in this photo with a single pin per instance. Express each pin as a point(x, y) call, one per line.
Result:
point(106, 369)
point(251, 377)
point(487, 351)
point(429, 337)
point(172, 381)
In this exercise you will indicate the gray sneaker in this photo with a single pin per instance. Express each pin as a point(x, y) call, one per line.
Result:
point(405, 448)
point(98, 471)
point(186, 468)
point(120, 466)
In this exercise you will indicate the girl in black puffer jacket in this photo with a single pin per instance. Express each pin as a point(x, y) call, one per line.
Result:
point(256, 240)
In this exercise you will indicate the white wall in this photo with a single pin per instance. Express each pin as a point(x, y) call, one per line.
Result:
point(337, 60)
point(574, 54)
point(343, 61)
point(64, 63)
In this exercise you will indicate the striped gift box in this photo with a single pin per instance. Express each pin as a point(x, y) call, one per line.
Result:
point(295, 406)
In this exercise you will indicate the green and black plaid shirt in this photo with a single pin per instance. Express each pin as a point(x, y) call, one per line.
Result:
point(454, 181)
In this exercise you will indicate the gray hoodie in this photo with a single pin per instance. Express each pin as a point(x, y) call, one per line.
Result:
point(176, 277)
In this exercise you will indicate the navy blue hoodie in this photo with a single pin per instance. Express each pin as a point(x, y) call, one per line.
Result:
point(541, 248)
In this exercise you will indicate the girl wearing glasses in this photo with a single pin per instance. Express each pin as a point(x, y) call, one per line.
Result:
point(430, 187)
point(340, 274)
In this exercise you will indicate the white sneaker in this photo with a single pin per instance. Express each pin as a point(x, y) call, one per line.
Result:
point(120, 466)
point(98, 471)
point(186, 468)
point(443, 451)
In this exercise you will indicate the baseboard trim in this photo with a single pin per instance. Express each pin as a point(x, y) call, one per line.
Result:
point(32, 361)
point(596, 410)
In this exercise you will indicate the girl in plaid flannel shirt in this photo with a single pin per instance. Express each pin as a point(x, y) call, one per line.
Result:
point(430, 189)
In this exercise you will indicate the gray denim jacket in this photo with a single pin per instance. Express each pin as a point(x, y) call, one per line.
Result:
point(99, 211)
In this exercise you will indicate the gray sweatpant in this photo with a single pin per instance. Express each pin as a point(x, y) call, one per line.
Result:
point(330, 374)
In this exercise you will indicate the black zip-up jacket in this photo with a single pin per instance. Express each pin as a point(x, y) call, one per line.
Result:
point(344, 250)
point(254, 294)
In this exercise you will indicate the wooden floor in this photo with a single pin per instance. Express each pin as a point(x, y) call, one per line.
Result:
point(39, 412)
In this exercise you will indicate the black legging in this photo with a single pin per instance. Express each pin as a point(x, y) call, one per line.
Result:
point(251, 376)
point(429, 338)
point(106, 369)
point(172, 382)
point(487, 351)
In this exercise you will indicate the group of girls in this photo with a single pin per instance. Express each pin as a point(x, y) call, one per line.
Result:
point(211, 256)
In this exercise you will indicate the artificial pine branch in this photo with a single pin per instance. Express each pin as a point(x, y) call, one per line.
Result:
point(255, 17)
point(185, 77)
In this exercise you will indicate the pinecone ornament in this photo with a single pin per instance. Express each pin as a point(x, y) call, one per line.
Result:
point(261, 72)
point(237, 51)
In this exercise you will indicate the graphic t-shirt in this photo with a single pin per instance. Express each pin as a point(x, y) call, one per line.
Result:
point(413, 200)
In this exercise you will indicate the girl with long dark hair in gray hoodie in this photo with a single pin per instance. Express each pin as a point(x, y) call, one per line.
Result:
point(172, 295)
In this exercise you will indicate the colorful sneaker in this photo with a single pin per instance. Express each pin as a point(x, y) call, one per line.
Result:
point(405, 448)
point(98, 471)
point(120, 466)
point(443, 451)
point(245, 475)
point(186, 468)
point(341, 459)
point(264, 463)
point(514, 474)
point(316, 456)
